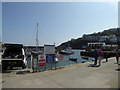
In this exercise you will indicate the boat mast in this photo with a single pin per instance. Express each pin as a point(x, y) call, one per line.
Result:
point(37, 42)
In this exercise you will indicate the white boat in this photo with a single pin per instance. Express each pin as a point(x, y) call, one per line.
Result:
point(67, 51)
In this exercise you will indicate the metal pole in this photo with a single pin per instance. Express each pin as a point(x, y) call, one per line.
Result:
point(31, 61)
point(37, 42)
point(55, 66)
point(51, 65)
point(69, 59)
point(45, 66)
point(37, 64)
point(55, 62)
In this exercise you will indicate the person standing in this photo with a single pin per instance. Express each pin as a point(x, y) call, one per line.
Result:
point(106, 56)
point(117, 58)
point(100, 55)
point(95, 54)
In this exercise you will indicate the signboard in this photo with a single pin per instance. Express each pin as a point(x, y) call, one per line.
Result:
point(42, 64)
point(50, 58)
point(42, 58)
point(49, 49)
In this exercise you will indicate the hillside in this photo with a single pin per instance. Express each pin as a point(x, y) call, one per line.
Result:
point(110, 36)
point(115, 31)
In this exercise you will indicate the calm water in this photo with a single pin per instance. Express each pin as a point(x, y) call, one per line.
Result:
point(65, 60)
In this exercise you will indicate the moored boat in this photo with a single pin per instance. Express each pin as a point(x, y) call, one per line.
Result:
point(84, 57)
point(67, 51)
point(73, 59)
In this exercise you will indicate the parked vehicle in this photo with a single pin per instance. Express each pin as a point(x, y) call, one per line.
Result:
point(13, 57)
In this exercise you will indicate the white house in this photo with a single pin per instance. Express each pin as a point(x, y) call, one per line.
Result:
point(103, 38)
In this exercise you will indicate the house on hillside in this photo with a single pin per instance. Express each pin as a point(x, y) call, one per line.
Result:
point(118, 37)
point(103, 38)
point(95, 45)
point(113, 38)
point(90, 37)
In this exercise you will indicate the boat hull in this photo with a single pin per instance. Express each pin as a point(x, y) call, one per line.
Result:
point(73, 59)
point(66, 53)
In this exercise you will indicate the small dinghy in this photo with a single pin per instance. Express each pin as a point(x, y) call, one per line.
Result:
point(73, 59)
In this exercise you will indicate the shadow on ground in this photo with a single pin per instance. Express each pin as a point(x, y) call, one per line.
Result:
point(117, 69)
point(92, 65)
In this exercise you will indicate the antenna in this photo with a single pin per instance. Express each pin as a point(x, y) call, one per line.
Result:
point(37, 42)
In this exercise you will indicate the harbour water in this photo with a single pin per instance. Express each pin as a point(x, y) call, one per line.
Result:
point(65, 61)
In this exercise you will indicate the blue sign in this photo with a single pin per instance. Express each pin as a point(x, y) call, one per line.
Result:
point(50, 58)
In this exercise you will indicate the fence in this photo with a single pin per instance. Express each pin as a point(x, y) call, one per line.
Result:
point(41, 62)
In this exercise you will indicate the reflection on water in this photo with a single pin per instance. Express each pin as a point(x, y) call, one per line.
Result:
point(65, 60)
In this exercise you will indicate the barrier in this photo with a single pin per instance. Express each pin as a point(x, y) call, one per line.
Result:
point(39, 61)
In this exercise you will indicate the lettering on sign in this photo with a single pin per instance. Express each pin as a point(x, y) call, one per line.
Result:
point(50, 58)
point(41, 58)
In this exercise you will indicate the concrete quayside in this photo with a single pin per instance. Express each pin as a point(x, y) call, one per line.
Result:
point(83, 75)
